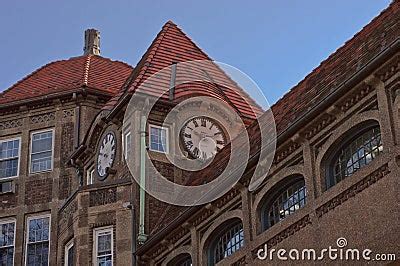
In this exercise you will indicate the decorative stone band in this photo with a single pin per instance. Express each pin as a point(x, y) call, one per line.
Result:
point(10, 124)
point(103, 197)
point(291, 230)
point(43, 118)
point(353, 190)
point(68, 113)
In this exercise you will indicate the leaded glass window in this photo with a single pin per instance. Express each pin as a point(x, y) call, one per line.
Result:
point(228, 242)
point(355, 154)
point(285, 203)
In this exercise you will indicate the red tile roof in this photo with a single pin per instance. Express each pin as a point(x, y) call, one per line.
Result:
point(92, 71)
point(338, 67)
point(173, 46)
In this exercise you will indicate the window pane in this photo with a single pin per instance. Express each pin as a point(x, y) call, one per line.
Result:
point(41, 161)
point(104, 247)
point(38, 230)
point(104, 244)
point(7, 234)
point(6, 256)
point(158, 139)
point(128, 145)
point(42, 141)
point(9, 149)
point(355, 155)
point(70, 256)
point(9, 168)
point(41, 153)
point(38, 254)
point(285, 203)
point(228, 243)
point(105, 261)
point(38, 241)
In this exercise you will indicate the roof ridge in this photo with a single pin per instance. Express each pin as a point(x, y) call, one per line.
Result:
point(153, 49)
point(111, 60)
point(141, 66)
point(86, 70)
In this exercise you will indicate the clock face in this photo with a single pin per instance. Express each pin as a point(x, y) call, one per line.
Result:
point(106, 155)
point(202, 137)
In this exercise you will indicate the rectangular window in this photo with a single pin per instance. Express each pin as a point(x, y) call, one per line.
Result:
point(103, 246)
point(69, 253)
point(158, 139)
point(127, 144)
point(42, 151)
point(90, 176)
point(7, 242)
point(6, 187)
point(9, 158)
point(38, 241)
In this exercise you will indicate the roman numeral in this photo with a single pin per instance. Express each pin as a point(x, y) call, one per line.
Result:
point(195, 123)
point(203, 122)
point(189, 144)
point(196, 152)
point(186, 135)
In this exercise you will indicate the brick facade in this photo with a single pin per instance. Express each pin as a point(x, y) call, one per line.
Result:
point(363, 208)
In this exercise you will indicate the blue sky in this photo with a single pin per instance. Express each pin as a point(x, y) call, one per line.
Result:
point(276, 43)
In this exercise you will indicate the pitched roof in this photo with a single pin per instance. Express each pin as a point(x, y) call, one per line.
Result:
point(92, 71)
point(337, 68)
point(170, 46)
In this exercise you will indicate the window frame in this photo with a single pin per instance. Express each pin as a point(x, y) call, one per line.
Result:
point(125, 134)
point(28, 219)
point(5, 179)
point(96, 232)
point(223, 230)
point(347, 139)
point(8, 221)
point(277, 190)
point(90, 175)
point(52, 150)
point(68, 246)
point(166, 138)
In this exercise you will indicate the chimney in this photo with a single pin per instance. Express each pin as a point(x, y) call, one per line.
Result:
point(92, 42)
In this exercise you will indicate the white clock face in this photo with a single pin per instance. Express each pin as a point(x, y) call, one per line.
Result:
point(202, 137)
point(106, 155)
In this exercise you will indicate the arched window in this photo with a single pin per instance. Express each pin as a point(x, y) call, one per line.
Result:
point(286, 201)
point(229, 240)
point(358, 151)
point(181, 260)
